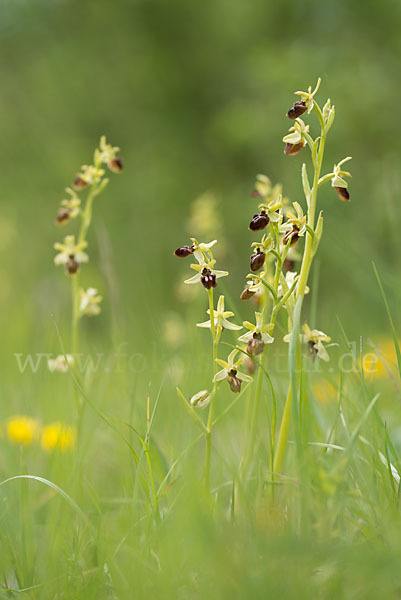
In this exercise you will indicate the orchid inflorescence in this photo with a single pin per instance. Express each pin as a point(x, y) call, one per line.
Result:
point(207, 275)
point(273, 283)
point(72, 251)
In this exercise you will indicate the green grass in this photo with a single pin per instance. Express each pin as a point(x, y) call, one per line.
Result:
point(195, 94)
point(126, 514)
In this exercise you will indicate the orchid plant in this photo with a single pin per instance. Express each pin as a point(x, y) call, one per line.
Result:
point(218, 321)
point(273, 282)
point(72, 251)
point(279, 286)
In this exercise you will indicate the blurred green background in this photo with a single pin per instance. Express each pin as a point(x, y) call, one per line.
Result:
point(195, 94)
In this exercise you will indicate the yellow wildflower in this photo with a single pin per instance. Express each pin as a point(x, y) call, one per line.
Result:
point(325, 392)
point(381, 360)
point(58, 436)
point(22, 430)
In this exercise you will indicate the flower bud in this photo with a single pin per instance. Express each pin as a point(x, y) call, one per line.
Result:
point(257, 260)
point(115, 165)
point(259, 221)
point(297, 110)
point(291, 236)
point(208, 279)
point(183, 252)
point(342, 193)
point(234, 382)
point(246, 294)
point(63, 215)
point(256, 345)
point(292, 149)
point(72, 265)
point(79, 183)
point(201, 399)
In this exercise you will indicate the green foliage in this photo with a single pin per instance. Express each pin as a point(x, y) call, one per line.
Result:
point(194, 93)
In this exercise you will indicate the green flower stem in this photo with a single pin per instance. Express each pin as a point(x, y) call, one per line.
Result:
point(308, 256)
point(283, 434)
point(85, 223)
point(87, 214)
point(75, 313)
point(303, 280)
point(215, 341)
point(254, 407)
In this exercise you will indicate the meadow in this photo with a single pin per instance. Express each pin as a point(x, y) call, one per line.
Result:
point(257, 454)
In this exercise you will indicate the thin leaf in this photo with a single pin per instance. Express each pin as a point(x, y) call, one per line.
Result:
point(54, 487)
point(192, 412)
point(305, 183)
point(362, 420)
point(292, 364)
point(386, 304)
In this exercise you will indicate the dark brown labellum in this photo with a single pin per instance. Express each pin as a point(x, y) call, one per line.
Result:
point(79, 183)
point(342, 193)
point(250, 365)
point(256, 345)
point(289, 264)
point(116, 165)
point(311, 349)
point(183, 252)
point(72, 265)
point(63, 215)
point(246, 294)
point(292, 149)
point(259, 221)
point(257, 260)
point(291, 236)
point(234, 382)
point(208, 279)
point(297, 110)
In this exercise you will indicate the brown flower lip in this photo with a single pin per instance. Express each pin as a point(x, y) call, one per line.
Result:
point(116, 165)
point(292, 149)
point(342, 193)
point(259, 221)
point(63, 215)
point(250, 365)
point(234, 382)
point(79, 183)
point(183, 251)
point(256, 345)
point(291, 236)
point(311, 349)
point(296, 110)
point(289, 264)
point(246, 294)
point(72, 265)
point(208, 279)
point(257, 260)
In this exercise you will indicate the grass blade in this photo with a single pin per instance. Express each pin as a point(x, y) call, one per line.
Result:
point(386, 304)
